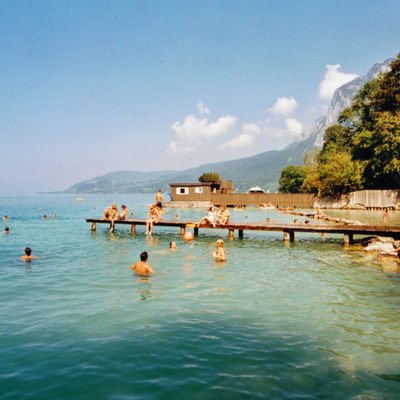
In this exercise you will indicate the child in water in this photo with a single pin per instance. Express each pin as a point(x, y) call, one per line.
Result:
point(219, 255)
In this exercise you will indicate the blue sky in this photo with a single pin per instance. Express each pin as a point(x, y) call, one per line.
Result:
point(90, 87)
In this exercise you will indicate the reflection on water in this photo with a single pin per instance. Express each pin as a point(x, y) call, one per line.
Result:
point(310, 318)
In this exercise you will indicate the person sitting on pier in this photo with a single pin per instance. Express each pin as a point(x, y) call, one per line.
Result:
point(111, 212)
point(153, 217)
point(219, 255)
point(124, 213)
point(141, 267)
point(120, 217)
point(211, 217)
point(223, 215)
point(319, 213)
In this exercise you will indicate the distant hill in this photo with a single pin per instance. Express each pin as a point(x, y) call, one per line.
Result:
point(262, 169)
point(117, 182)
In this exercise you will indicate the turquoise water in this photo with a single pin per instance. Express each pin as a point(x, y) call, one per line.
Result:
point(310, 319)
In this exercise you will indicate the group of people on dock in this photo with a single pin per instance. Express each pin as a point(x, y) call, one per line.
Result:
point(111, 213)
point(221, 217)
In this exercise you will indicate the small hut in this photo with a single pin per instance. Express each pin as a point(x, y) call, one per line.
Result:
point(256, 189)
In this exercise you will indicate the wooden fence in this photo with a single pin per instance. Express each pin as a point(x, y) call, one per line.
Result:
point(254, 199)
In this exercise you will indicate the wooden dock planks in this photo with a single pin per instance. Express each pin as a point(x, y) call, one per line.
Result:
point(288, 229)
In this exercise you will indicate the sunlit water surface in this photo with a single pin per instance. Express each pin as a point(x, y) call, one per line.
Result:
point(310, 319)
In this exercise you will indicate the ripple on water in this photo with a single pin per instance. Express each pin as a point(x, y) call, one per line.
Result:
point(277, 320)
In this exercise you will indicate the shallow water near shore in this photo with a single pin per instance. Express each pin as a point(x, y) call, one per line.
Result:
point(311, 319)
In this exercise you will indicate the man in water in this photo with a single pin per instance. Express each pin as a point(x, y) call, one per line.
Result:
point(6, 229)
point(27, 255)
point(172, 246)
point(141, 267)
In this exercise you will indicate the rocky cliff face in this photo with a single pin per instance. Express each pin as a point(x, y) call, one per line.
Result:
point(341, 99)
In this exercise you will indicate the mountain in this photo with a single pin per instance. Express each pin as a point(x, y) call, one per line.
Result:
point(262, 169)
point(116, 182)
point(342, 99)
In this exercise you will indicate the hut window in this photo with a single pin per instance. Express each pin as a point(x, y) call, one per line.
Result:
point(198, 190)
point(182, 190)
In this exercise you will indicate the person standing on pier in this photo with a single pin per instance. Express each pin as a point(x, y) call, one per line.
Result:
point(159, 198)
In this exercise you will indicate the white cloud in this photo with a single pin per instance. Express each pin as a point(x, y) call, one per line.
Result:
point(284, 106)
point(294, 127)
point(174, 148)
point(251, 129)
point(202, 108)
point(333, 79)
point(244, 139)
point(194, 129)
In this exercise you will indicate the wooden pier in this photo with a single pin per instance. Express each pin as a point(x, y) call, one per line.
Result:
point(288, 229)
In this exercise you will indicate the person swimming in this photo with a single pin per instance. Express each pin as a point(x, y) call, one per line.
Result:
point(219, 255)
point(28, 254)
point(141, 267)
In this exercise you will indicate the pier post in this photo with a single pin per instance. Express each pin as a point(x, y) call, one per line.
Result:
point(288, 236)
point(241, 233)
point(182, 231)
point(93, 226)
point(133, 228)
point(231, 233)
point(348, 238)
point(196, 231)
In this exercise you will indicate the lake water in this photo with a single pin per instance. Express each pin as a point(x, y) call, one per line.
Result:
point(311, 319)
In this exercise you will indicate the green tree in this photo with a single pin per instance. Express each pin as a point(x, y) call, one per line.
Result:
point(339, 175)
point(292, 179)
point(310, 159)
point(336, 139)
point(210, 177)
point(374, 127)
